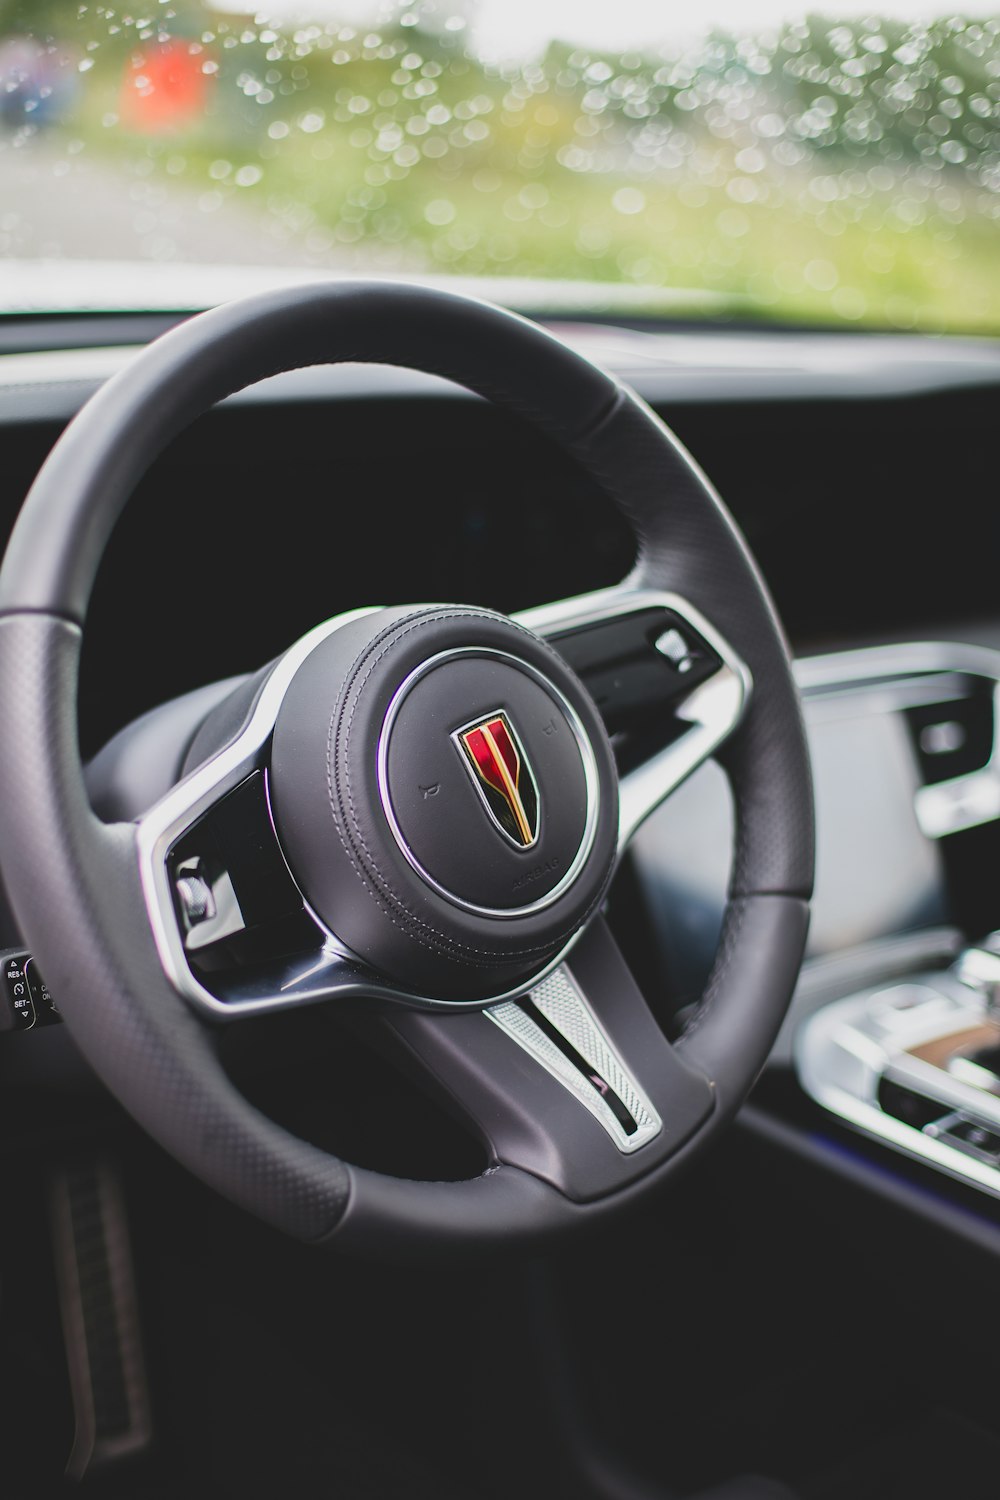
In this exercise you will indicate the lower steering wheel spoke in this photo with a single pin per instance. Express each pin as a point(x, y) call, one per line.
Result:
point(669, 687)
point(573, 1082)
point(556, 1025)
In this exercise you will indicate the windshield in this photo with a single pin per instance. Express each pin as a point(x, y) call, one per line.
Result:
point(726, 160)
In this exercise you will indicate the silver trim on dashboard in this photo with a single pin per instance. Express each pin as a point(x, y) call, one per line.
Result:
point(845, 1050)
point(160, 828)
point(941, 807)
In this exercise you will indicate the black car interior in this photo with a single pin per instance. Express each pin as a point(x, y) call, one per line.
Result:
point(798, 1311)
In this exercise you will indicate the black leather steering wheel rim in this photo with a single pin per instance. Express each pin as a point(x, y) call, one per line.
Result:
point(73, 880)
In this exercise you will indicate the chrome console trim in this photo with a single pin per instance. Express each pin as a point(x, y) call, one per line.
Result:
point(846, 1050)
point(870, 664)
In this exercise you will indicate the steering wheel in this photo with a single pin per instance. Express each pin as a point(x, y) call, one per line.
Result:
point(414, 812)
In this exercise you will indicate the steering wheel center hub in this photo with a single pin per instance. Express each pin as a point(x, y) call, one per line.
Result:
point(446, 796)
point(488, 781)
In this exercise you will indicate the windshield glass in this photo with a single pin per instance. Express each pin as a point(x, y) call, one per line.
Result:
point(733, 159)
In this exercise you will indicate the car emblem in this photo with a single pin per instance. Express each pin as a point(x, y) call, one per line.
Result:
point(495, 759)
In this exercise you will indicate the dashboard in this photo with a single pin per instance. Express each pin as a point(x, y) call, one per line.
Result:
point(831, 451)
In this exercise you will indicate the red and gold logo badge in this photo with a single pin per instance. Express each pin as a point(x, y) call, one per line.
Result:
point(496, 761)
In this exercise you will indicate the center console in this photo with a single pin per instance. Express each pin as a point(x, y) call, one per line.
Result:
point(917, 1065)
point(892, 1028)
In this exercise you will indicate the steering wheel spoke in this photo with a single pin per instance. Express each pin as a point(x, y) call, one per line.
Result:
point(669, 687)
point(574, 1082)
point(233, 931)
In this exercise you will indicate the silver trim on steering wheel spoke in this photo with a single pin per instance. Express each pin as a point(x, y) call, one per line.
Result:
point(561, 1002)
point(159, 829)
point(712, 709)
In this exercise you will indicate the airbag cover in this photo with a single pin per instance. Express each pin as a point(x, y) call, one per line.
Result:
point(450, 859)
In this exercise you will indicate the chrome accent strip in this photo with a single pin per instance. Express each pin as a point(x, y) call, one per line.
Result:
point(160, 828)
point(946, 807)
point(822, 674)
point(591, 778)
point(941, 807)
point(843, 1052)
point(713, 709)
point(564, 1005)
point(872, 1121)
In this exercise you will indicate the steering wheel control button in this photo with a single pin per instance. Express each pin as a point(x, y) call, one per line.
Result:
point(28, 1000)
point(231, 889)
point(195, 894)
point(445, 796)
point(635, 664)
point(21, 1007)
point(676, 649)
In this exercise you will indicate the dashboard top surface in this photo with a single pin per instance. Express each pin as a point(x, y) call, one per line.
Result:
point(679, 366)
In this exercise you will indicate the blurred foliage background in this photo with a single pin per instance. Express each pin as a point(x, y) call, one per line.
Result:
point(828, 171)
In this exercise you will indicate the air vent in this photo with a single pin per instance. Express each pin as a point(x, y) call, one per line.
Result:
point(954, 738)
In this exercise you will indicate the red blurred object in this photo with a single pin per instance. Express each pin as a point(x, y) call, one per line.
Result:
point(164, 87)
